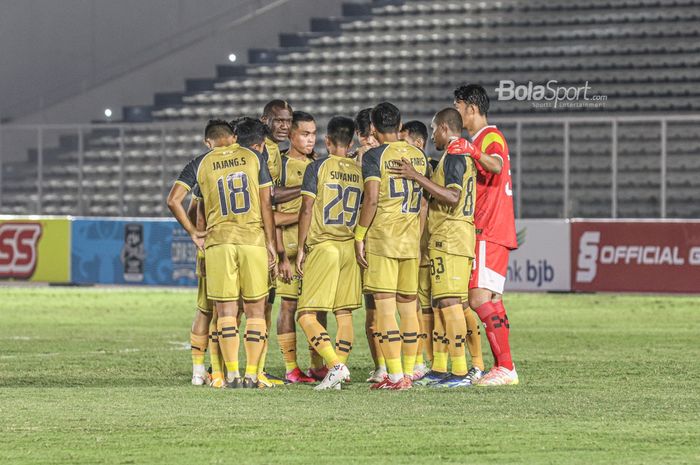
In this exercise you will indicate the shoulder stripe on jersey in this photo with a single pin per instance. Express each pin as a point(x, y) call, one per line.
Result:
point(489, 139)
point(201, 162)
point(187, 188)
point(283, 174)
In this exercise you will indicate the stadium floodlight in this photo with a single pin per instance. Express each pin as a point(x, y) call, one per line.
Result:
point(232, 57)
point(108, 112)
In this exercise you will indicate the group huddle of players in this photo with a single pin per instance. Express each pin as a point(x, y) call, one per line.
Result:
point(428, 239)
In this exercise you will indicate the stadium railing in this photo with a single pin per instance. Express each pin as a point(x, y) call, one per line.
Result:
point(562, 166)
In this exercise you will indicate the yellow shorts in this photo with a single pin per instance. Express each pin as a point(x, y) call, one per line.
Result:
point(203, 304)
point(331, 278)
point(449, 274)
point(235, 271)
point(288, 291)
point(392, 275)
point(424, 287)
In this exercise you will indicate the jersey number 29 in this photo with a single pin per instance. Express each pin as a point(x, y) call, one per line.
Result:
point(350, 199)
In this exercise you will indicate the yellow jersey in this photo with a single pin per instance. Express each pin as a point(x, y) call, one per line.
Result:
point(395, 230)
point(451, 229)
point(274, 159)
point(336, 185)
point(292, 175)
point(229, 180)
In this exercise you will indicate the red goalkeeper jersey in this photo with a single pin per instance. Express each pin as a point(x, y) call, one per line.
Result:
point(494, 218)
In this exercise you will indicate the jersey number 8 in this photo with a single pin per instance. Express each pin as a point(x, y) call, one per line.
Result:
point(238, 195)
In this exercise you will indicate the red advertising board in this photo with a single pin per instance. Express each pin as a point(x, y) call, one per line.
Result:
point(635, 256)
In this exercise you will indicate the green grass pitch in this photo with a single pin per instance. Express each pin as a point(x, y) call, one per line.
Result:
point(102, 376)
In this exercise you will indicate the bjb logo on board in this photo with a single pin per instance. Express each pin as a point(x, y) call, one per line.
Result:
point(18, 249)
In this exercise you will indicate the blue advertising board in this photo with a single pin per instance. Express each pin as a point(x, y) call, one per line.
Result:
point(131, 251)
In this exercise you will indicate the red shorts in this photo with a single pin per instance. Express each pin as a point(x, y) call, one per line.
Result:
point(490, 267)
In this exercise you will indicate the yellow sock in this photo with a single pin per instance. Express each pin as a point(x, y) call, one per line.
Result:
point(266, 346)
point(421, 334)
point(288, 347)
point(344, 337)
point(381, 361)
point(263, 355)
point(428, 324)
point(255, 336)
point(456, 327)
point(228, 344)
point(214, 352)
point(318, 338)
point(199, 343)
point(409, 335)
point(474, 339)
point(439, 343)
point(389, 336)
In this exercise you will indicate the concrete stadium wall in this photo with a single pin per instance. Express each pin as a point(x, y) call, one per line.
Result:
point(66, 61)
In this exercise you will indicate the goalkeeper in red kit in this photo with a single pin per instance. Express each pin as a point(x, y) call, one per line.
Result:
point(494, 221)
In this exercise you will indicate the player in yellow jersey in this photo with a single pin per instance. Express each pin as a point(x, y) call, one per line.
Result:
point(200, 338)
point(387, 244)
point(205, 307)
point(451, 243)
point(239, 243)
point(302, 140)
point(277, 117)
point(363, 131)
point(416, 133)
point(332, 191)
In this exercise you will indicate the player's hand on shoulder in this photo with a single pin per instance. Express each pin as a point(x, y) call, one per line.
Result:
point(462, 146)
point(404, 168)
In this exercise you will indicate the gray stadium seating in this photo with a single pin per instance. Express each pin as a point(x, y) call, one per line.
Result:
point(644, 55)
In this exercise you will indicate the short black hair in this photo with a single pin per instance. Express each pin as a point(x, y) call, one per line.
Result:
point(416, 129)
point(217, 129)
point(301, 116)
point(386, 118)
point(451, 118)
point(474, 94)
point(363, 121)
point(341, 130)
point(275, 105)
point(250, 131)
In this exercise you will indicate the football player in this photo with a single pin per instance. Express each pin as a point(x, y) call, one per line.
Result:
point(387, 244)
point(332, 191)
point(239, 243)
point(495, 227)
point(302, 140)
point(451, 239)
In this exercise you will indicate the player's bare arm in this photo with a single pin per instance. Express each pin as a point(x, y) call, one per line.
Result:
point(367, 212)
point(285, 194)
point(175, 197)
point(285, 268)
point(448, 196)
point(286, 218)
point(307, 205)
point(268, 220)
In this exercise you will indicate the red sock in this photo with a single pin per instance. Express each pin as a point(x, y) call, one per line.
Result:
point(497, 333)
point(502, 315)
